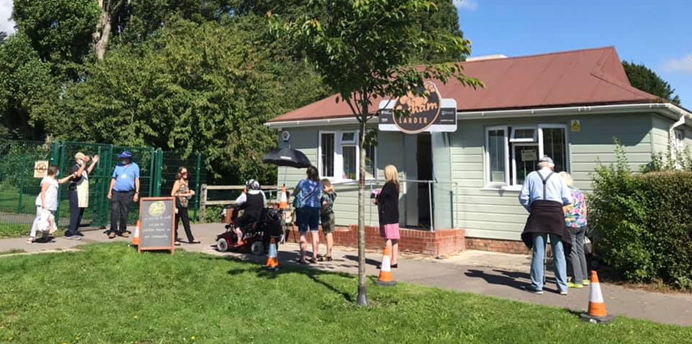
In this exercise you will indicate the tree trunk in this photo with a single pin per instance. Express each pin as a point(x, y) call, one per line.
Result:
point(103, 30)
point(362, 292)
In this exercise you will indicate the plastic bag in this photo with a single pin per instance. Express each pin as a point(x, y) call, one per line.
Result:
point(43, 222)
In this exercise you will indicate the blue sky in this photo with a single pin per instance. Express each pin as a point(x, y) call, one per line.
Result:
point(655, 33)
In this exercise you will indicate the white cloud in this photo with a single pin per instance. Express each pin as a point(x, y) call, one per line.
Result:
point(681, 65)
point(466, 5)
point(6, 24)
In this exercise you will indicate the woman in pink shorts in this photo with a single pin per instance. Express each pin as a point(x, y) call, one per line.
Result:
point(388, 206)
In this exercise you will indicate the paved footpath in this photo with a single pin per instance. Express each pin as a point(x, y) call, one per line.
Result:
point(493, 274)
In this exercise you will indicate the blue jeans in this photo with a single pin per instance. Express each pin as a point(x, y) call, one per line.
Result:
point(559, 261)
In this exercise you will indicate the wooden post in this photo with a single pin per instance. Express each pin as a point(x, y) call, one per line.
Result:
point(203, 203)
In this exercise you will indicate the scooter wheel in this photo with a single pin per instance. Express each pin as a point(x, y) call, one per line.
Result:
point(222, 245)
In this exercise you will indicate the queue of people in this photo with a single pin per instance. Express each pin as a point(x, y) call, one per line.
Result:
point(557, 211)
point(314, 200)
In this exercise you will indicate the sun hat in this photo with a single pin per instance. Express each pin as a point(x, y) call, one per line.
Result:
point(125, 155)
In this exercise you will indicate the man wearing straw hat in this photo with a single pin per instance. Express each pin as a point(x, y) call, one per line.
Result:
point(79, 192)
point(544, 194)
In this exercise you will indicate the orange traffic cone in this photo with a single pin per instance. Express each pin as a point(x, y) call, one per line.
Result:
point(385, 278)
point(597, 309)
point(273, 260)
point(283, 200)
point(135, 238)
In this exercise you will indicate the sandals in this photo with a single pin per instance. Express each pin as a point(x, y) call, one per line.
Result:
point(325, 258)
point(301, 262)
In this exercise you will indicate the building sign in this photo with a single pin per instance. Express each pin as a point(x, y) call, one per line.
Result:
point(40, 169)
point(421, 113)
point(576, 125)
point(529, 155)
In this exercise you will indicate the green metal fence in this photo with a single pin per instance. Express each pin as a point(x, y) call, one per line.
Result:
point(19, 188)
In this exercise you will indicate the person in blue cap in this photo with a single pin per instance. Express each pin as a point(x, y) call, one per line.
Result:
point(123, 190)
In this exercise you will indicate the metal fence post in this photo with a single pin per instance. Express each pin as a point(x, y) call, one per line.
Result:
point(152, 171)
point(197, 186)
point(202, 205)
point(21, 185)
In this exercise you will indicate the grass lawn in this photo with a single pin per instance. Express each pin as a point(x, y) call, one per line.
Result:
point(108, 293)
point(10, 230)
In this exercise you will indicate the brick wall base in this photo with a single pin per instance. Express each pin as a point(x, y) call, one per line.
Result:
point(440, 242)
point(444, 242)
point(494, 245)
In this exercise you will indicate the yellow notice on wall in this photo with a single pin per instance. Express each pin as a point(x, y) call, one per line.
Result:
point(576, 125)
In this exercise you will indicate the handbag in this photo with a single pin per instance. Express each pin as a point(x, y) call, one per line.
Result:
point(298, 201)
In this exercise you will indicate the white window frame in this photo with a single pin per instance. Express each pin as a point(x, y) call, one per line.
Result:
point(339, 145)
point(541, 151)
point(514, 159)
point(487, 156)
point(533, 139)
point(319, 152)
point(510, 159)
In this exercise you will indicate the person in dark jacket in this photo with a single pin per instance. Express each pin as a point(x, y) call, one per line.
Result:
point(252, 201)
point(544, 194)
point(387, 201)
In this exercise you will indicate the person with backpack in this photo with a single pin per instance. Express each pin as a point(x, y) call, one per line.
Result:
point(308, 194)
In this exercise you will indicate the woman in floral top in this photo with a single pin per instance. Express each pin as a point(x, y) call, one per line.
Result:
point(575, 219)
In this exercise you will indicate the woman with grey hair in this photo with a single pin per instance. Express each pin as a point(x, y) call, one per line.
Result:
point(575, 220)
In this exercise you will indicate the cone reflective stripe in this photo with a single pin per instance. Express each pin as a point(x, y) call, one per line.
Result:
point(135, 238)
point(597, 309)
point(385, 278)
point(283, 201)
point(596, 304)
point(273, 260)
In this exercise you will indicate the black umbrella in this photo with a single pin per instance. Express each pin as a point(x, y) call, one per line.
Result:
point(287, 157)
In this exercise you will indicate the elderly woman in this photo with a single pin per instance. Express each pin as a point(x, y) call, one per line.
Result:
point(575, 219)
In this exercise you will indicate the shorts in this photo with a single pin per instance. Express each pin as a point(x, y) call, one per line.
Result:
point(390, 231)
point(328, 223)
point(308, 218)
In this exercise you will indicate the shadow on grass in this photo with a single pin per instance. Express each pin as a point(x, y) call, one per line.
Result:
point(290, 266)
point(367, 260)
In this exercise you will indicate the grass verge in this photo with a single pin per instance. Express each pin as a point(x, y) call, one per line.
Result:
point(108, 293)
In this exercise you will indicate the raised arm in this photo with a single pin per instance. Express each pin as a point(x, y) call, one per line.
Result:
point(93, 164)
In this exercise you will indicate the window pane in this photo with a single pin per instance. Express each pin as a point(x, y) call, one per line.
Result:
point(327, 155)
point(349, 154)
point(524, 134)
point(526, 158)
point(496, 154)
point(348, 137)
point(370, 168)
point(554, 147)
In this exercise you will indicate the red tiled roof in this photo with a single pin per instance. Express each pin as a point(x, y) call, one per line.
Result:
point(582, 77)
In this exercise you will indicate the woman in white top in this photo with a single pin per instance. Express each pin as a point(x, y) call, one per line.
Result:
point(47, 202)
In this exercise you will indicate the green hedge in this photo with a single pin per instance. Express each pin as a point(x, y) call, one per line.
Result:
point(643, 223)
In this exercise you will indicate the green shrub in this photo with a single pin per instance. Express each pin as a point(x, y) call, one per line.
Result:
point(643, 222)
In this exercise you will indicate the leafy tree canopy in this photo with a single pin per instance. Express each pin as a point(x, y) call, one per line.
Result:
point(648, 81)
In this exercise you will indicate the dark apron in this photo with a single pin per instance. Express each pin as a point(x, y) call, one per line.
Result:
point(546, 217)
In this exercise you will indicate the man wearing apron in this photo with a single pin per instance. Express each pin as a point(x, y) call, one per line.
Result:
point(544, 194)
point(79, 193)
